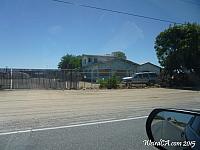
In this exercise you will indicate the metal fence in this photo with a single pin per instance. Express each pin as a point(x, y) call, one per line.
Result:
point(38, 79)
point(54, 78)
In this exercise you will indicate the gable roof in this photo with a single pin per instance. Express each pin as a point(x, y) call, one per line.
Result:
point(99, 56)
point(113, 60)
point(114, 57)
point(150, 64)
point(128, 61)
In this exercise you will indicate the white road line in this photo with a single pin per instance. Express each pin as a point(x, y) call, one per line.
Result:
point(73, 125)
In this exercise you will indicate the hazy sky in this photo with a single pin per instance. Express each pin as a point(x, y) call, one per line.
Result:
point(37, 33)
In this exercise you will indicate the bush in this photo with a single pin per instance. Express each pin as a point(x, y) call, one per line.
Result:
point(111, 83)
point(103, 83)
point(179, 80)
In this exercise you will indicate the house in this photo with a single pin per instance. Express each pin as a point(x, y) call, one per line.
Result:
point(98, 67)
point(88, 60)
point(149, 67)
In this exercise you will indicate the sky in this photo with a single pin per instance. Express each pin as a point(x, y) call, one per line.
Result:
point(37, 33)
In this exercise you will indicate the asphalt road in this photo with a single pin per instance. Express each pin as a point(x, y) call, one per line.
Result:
point(44, 117)
point(123, 135)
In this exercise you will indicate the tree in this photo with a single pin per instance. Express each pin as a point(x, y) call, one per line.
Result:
point(119, 54)
point(178, 49)
point(70, 62)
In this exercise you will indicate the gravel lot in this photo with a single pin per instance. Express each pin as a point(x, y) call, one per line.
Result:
point(24, 109)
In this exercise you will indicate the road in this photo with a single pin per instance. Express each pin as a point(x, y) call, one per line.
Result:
point(123, 135)
point(47, 111)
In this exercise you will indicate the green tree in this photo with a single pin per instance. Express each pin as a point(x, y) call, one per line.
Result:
point(119, 54)
point(70, 62)
point(178, 49)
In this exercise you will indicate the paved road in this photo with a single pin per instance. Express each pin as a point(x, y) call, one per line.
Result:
point(123, 135)
point(40, 109)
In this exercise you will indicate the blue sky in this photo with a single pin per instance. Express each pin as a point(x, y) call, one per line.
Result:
point(37, 33)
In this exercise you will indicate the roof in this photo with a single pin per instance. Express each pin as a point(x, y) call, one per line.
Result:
point(124, 60)
point(128, 61)
point(99, 56)
point(144, 72)
point(150, 64)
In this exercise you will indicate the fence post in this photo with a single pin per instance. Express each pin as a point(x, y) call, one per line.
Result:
point(11, 80)
point(91, 77)
point(70, 86)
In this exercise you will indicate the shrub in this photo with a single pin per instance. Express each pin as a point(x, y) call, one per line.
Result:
point(110, 83)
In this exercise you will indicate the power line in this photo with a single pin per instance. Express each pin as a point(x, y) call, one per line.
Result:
point(116, 11)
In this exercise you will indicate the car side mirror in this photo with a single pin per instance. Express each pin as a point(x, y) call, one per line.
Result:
point(174, 129)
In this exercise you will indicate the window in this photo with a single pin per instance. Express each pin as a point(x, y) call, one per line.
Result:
point(145, 75)
point(140, 76)
point(153, 75)
point(196, 125)
point(95, 60)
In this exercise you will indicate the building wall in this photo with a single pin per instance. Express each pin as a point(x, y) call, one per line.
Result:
point(92, 59)
point(107, 69)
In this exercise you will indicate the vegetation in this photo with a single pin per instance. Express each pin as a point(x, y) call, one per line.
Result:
point(70, 62)
point(178, 50)
point(119, 54)
point(110, 83)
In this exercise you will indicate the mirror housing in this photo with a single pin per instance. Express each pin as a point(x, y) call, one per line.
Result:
point(174, 129)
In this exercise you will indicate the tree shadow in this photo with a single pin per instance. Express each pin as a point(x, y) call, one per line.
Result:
point(196, 88)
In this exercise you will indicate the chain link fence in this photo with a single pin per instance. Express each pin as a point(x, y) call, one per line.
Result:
point(38, 79)
point(56, 78)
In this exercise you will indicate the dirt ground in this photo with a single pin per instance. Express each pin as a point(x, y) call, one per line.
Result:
point(41, 108)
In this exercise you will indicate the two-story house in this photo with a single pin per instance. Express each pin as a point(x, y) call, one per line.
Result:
point(97, 66)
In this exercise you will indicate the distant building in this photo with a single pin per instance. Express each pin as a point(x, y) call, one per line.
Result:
point(97, 66)
point(149, 67)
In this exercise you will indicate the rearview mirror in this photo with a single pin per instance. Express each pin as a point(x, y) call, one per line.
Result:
point(173, 129)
